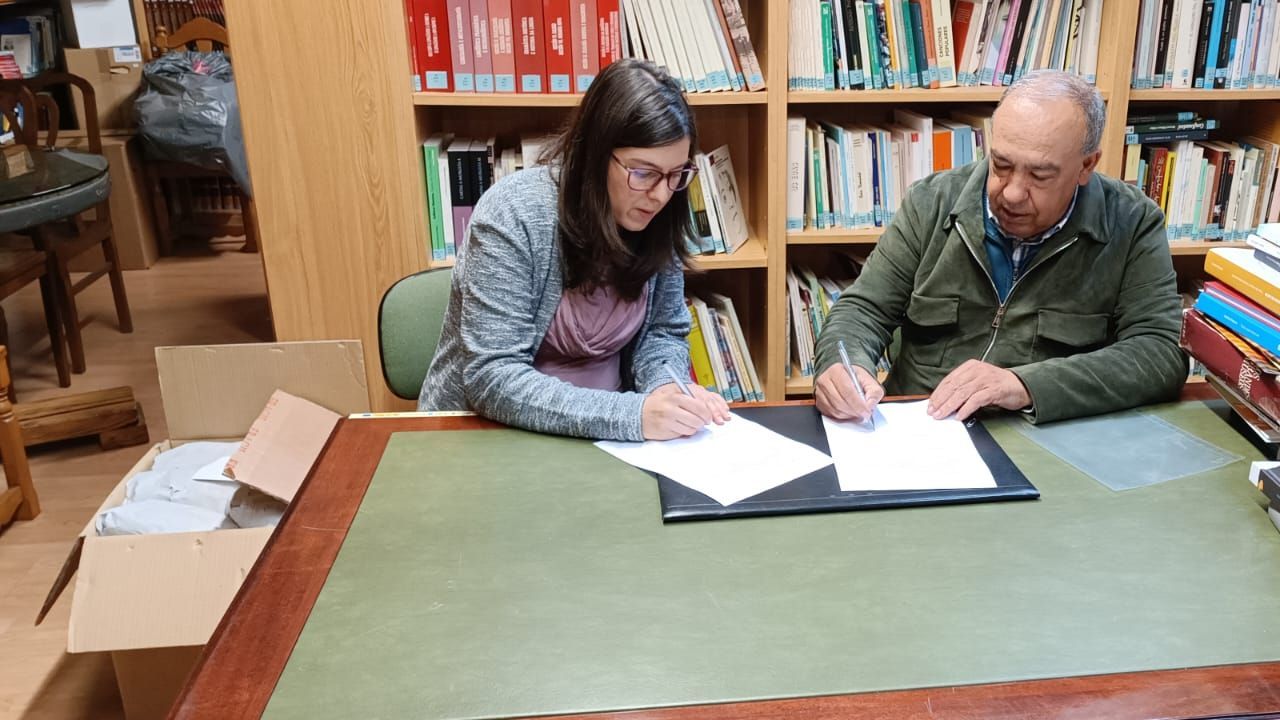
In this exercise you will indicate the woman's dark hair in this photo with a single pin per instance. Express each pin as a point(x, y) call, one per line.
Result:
point(631, 103)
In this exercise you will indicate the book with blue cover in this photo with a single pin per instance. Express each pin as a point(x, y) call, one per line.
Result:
point(1240, 315)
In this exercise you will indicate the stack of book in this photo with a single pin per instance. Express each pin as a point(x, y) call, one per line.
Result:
point(559, 46)
point(1207, 44)
point(1234, 329)
point(810, 298)
point(457, 171)
point(721, 358)
point(1208, 189)
point(32, 42)
point(719, 217)
point(856, 176)
point(879, 44)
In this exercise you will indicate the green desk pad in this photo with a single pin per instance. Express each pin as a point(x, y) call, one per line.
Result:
point(502, 573)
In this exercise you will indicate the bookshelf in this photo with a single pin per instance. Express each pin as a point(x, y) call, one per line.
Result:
point(316, 236)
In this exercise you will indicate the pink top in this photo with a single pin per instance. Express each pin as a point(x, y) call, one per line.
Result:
point(587, 334)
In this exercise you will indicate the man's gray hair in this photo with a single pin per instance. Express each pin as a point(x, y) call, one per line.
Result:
point(1058, 85)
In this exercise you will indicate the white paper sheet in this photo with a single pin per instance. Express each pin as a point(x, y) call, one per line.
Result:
point(727, 463)
point(908, 450)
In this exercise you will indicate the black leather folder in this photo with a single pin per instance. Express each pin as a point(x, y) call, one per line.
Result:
point(820, 491)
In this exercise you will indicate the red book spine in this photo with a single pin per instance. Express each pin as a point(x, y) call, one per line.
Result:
point(464, 73)
point(415, 67)
point(501, 45)
point(531, 61)
point(555, 23)
point(1224, 360)
point(480, 50)
point(609, 37)
point(961, 16)
point(585, 50)
point(437, 65)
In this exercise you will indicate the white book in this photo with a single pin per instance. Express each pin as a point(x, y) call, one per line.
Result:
point(636, 46)
point(921, 151)
point(709, 202)
point(1273, 58)
point(866, 44)
point(795, 173)
point(836, 179)
point(1264, 45)
point(1233, 193)
point(1163, 76)
point(656, 35)
point(803, 350)
point(975, 40)
point(653, 41)
point(665, 21)
point(944, 43)
point(1090, 31)
point(691, 38)
point(813, 48)
point(736, 83)
point(901, 59)
point(1269, 157)
point(733, 214)
point(1189, 30)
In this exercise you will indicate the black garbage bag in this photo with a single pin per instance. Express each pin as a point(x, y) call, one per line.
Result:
point(188, 112)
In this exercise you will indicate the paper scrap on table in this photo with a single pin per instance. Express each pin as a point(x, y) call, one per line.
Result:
point(727, 463)
point(908, 450)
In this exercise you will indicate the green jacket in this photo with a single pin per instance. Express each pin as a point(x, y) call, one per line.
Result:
point(1091, 326)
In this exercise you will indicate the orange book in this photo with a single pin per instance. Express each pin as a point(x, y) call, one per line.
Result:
point(555, 41)
point(942, 140)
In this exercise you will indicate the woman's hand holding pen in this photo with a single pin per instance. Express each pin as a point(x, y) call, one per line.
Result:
point(670, 413)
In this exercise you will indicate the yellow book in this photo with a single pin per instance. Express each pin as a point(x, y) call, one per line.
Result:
point(698, 354)
point(1246, 275)
point(894, 63)
point(1169, 164)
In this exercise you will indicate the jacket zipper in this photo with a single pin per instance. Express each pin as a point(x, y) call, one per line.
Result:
point(999, 316)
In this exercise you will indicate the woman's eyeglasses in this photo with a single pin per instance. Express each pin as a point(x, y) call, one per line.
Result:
point(645, 179)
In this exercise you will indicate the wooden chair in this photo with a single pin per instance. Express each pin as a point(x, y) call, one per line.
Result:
point(19, 499)
point(66, 239)
point(19, 267)
point(202, 35)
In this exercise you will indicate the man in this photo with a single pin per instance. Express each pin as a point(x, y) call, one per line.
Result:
point(1025, 282)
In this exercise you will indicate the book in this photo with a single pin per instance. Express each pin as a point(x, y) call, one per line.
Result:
point(1238, 268)
point(480, 48)
point(464, 78)
point(435, 59)
point(502, 46)
point(1233, 360)
point(531, 68)
point(555, 43)
point(1240, 315)
point(733, 217)
point(585, 37)
point(742, 45)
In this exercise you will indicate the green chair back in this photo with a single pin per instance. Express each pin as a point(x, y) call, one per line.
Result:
point(410, 319)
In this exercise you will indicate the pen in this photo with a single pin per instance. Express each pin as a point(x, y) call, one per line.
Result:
point(857, 386)
point(684, 388)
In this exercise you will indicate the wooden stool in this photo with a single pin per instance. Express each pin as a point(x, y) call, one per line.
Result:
point(112, 415)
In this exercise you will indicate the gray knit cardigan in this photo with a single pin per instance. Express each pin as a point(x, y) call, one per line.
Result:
point(506, 286)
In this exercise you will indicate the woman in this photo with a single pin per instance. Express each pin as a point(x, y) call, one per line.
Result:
point(567, 314)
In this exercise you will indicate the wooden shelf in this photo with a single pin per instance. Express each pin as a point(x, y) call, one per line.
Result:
point(1201, 248)
point(1169, 94)
point(915, 95)
point(797, 384)
point(835, 236)
point(548, 100)
point(751, 255)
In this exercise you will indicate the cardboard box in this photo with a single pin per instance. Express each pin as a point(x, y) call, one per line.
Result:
point(98, 23)
point(130, 202)
point(116, 76)
point(153, 600)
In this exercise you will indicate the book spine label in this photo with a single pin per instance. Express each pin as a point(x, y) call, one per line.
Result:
point(531, 68)
point(502, 47)
point(555, 23)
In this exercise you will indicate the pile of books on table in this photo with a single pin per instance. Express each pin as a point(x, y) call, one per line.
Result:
point(1233, 331)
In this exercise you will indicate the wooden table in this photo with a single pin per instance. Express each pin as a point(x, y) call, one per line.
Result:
point(236, 674)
